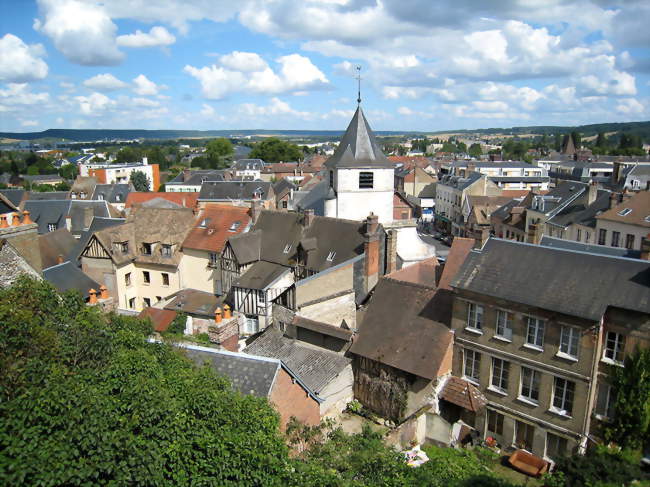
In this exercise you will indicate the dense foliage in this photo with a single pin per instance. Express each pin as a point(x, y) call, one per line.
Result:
point(630, 425)
point(85, 399)
point(140, 181)
point(275, 150)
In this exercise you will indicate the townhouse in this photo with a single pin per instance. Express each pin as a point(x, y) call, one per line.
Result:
point(626, 223)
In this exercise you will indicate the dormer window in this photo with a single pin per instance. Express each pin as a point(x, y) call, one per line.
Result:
point(366, 180)
point(287, 248)
point(204, 223)
point(166, 250)
point(146, 249)
point(234, 226)
point(124, 247)
point(330, 256)
point(625, 211)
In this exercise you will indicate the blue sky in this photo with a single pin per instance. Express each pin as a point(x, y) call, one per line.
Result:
point(279, 64)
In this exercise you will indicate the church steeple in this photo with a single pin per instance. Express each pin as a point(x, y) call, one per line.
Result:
point(358, 146)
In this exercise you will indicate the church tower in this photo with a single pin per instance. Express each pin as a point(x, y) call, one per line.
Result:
point(361, 178)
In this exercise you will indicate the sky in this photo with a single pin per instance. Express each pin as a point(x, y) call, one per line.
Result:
point(280, 64)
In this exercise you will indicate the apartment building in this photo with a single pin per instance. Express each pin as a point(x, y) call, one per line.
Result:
point(626, 223)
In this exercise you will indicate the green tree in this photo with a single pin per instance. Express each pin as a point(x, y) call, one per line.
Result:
point(275, 150)
point(140, 181)
point(128, 154)
point(601, 140)
point(475, 150)
point(217, 150)
point(630, 426)
point(69, 171)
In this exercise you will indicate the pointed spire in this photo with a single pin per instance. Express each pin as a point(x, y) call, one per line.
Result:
point(359, 85)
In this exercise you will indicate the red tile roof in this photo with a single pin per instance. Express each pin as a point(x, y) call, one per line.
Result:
point(462, 393)
point(188, 200)
point(160, 318)
point(218, 220)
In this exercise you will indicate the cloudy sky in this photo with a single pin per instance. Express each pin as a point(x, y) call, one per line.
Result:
point(290, 64)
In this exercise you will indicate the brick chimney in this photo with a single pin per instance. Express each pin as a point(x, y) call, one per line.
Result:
point(371, 251)
point(15, 220)
point(92, 296)
point(391, 251)
point(59, 259)
point(226, 312)
point(103, 292)
point(613, 200)
point(256, 209)
point(217, 316)
point(308, 218)
point(645, 247)
point(592, 193)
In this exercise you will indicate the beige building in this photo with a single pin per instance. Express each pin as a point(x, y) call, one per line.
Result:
point(139, 261)
point(627, 223)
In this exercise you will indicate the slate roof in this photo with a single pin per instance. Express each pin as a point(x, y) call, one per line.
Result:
point(27, 247)
point(282, 186)
point(358, 147)
point(246, 246)
point(198, 177)
point(98, 223)
point(261, 275)
point(322, 328)
point(215, 225)
point(55, 212)
point(560, 243)
point(315, 366)
point(194, 302)
point(560, 196)
point(84, 184)
point(639, 203)
point(48, 195)
point(113, 193)
point(574, 283)
point(235, 190)
point(55, 244)
point(248, 165)
point(577, 212)
point(68, 276)
point(461, 183)
point(399, 329)
point(15, 196)
point(460, 392)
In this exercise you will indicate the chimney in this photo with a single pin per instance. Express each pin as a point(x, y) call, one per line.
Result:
point(226, 312)
point(645, 247)
point(88, 217)
point(15, 220)
point(217, 316)
point(256, 209)
point(3, 221)
point(371, 251)
point(26, 219)
point(613, 200)
point(592, 193)
point(92, 296)
point(372, 223)
point(391, 251)
point(103, 292)
point(59, 259)
point(616, 173)
point(186, 174)
point(534, 233)
point(308, 218)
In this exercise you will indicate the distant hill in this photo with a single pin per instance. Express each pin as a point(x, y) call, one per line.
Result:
point(636, 128)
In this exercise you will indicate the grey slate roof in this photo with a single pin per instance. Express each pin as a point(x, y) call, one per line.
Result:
point(282, 185)
point(47, 196)
point(13, 195)
point(577, 211)
point(574, 283)
point(560, 243)
point(248, 165)
point(55, 244)
point(45, 213)
point(260, 275)
point(198, 177)
point(234, 190)
point(358, 147)
point(315, 366)
point(560, 196)
point(459, 182)
point(113, 193)
point(98, 223)
point(68, 276)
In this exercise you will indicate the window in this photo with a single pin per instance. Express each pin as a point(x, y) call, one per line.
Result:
point(602, 235)
point(614, 345)
point(132, 303)
point(556, 446)
point(147, 302)
point(165, 279)
point(578, 235)
point(287, 248)
point(524, 434)
point(158, 299)
point(529, 384)
point(504, 325)
point(331, 179)
point(146, 249)
point(330, 256)
point(625, 211)
point(474, 316)
point(472, 365)
point(166, 250)
point(284, 204)
point(366, 180)
point(563, 396)
point(127, 279)
point(124, 247)
point(51, 227)
point(500, 372)
point(615, 238)
point(605, 401)
point(146, 277)
point(569, 341)
point(251, 325)
point(261, 298)
point(629, 241)
point(494, 422)
point(535, 332)
point(213, 259)
point(587, 237)
point(234, 226)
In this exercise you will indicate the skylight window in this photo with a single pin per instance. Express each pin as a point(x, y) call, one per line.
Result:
point(330, 256)
point(647, 218)
point(234, 226)
point(625, 211)
point(287, 248)
point(204, 223)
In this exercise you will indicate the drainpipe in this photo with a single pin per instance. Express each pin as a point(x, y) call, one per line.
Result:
point(591, 392)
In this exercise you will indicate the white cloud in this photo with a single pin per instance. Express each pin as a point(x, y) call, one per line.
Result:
point(19, 62)
point(20, 94)
point(28, 123)
point(248, 72)
point(104, 82)
point(59, 121)
point(144, 86)
point(83, 32)
point(157, 36)
point(144, 102)
point(406, 111)
point(630, 106)
point(95, 104)
point(275, 107)
point(207, 110)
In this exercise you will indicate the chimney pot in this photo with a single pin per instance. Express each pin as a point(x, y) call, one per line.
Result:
point(26, 219)
point(103, 292)
point(309, 217)
point(372, 223)
point(226, 312)
point(92, 295)
point(15, 220)
point(217, 315)
point(3, 221)
point(59, 259)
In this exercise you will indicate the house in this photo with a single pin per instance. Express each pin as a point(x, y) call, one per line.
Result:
point(403, 209)
point(295, 172)
point(16, 197)
point(415, 181)
point(282, 249)
point(202, 248)
point(477, 212)
point(262, 377)
point(505, 174)
point(537, 330)
point(190, 181)
point(237, 193)
point(284, 190)
point(75, 215)
point(121, 173)
point(625, 223)
point(143, 198)
point(248, 169)
point(19, 252)
point(583, 171)
point(83, 188)
point(66, 276)
point(115, 194)
point(451, 193)
point(509, 221)
point(42, 179)
point(56, 247)
point(638, 178)
point(139, 261)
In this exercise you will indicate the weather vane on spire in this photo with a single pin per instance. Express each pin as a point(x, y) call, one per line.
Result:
point(358, 76)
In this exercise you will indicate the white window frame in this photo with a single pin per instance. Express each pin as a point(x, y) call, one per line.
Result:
point(501, 372)
point(474, 317)
point(569, 339)
point(475, 358)
point(564, 394)
point(534, 381)
point(617, 351)
point(51, 227)
point(539, 326)
point(251, 324)
point(503, 325)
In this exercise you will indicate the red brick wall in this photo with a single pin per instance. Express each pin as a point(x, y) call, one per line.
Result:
point(292, 400)
point(372, 257)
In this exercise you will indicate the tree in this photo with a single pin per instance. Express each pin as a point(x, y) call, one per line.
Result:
point(630, 426)
point(69, 171)
point(577, 141)
point(140, 181)
point(601, 140)
point(217, 150)
point(128, 154)
point(475, 150)
point(275, 150)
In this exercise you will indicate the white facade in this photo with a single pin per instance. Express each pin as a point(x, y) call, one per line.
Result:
point(356, 203)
